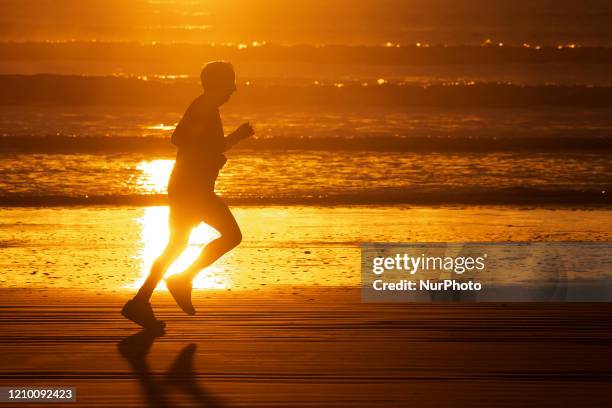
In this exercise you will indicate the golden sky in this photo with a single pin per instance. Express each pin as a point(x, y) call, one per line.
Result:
point(308, 21)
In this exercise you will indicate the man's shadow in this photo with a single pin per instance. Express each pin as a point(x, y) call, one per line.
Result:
point(181, 374)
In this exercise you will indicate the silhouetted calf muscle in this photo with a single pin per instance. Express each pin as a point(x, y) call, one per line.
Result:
point(191, 193)
point(177, 243)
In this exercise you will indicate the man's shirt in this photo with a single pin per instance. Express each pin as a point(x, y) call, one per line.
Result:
point(200, 141)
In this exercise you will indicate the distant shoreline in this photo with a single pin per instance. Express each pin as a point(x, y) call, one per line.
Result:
point(482, 197)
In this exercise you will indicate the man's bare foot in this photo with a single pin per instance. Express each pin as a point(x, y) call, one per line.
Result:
point(140, 312)
point(180, 289)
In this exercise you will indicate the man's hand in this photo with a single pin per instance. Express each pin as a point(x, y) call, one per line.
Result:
point(244, 131)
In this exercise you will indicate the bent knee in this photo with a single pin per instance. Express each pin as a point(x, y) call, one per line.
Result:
point(233, 237)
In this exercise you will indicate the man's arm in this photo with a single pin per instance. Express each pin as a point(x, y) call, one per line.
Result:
point(184, 130)
point(243, 132)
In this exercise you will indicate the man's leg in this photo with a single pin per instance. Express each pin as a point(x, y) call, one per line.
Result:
point(177, 242)
point(218, 216)
point(139, 309)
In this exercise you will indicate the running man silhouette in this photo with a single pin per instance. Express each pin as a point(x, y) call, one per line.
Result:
point(191, 194)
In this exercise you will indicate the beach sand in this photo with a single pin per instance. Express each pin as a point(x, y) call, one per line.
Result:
point(281, 322)
point(309, 347)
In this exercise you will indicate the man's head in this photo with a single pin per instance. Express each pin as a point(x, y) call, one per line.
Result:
point(219, 81)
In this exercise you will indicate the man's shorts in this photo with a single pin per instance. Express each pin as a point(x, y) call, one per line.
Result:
point(191, 201)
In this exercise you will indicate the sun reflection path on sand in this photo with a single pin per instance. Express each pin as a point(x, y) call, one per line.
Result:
point(154, 233)
point(154, 236)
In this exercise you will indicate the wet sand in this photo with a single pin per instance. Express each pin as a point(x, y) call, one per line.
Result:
point(284, 326)
point(112, 247)
point(303, 347)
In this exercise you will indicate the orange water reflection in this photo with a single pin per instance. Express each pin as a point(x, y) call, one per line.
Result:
point(154, 174)
point(154, 236)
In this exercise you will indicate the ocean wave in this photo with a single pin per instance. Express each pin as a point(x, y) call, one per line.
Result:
point(468, 196)
point(118, 91)
point(388, 54)
point(587, 141)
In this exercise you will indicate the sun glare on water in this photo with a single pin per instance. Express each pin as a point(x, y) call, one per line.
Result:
point(154, 236)
point(154, 174)
point(154, 233)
